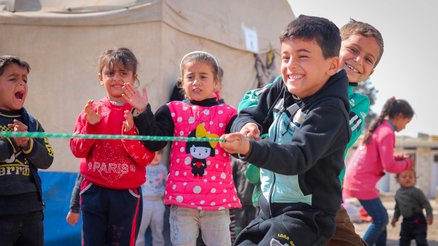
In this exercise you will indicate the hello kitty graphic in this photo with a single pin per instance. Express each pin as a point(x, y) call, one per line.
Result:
point(200, 151)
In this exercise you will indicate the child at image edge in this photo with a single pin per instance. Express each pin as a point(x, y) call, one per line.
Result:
point(153, 205)
point(200, 187)
point(370, 161)
point(21, 201)
point(305, 112)
point(410, 202)
point(113, 170)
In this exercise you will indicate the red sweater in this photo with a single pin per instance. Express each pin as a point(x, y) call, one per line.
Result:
point(114, 164)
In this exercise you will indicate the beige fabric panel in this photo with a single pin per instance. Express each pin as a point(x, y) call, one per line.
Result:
point(63, 53)
point(220, 21)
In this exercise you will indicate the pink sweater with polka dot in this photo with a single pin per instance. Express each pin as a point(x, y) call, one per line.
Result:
point(200, 173)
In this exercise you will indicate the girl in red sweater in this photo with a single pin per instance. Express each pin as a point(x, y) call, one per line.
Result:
point(113, 170)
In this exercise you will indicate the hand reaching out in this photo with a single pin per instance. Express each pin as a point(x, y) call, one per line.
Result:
point(18, 126)
point(138, 100)
point(92, 116)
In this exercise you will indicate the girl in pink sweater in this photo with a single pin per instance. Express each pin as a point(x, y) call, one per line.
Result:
point(372, 158)
point(113, 170)
point(200, 188)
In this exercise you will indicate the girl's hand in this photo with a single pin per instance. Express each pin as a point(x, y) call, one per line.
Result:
point(72, 218)
point(138, 100)
point(92, 116)
point(235, 143)
point(251, 130)
point(18, 126)
point(128, 124)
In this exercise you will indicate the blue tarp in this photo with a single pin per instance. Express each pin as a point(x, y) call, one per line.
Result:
point(57, 187)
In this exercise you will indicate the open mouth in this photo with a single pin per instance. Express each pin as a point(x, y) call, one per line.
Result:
point(19, 95)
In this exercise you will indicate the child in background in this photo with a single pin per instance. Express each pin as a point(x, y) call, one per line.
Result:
point(21, 206)
point(372, 158)
point(410, 202)
point(200, 187)
point(306, 113)
point(113, 170)
point(153, 205)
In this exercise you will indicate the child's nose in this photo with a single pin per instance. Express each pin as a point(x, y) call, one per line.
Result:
point(359, 59)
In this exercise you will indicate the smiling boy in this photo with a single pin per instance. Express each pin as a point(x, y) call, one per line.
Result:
point(305, 112)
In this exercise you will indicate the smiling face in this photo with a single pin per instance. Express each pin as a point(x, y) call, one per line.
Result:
point(304, 68)
point(199, 81)
point(358, 56)
point(13, 87)
point(113, 78)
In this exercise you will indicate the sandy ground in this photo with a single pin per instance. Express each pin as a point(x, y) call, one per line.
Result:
point(393, 232)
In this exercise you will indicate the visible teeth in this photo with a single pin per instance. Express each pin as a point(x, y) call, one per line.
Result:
point(295, 76)
point(352, 68)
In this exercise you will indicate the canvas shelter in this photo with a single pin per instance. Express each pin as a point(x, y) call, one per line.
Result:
point(62, 40)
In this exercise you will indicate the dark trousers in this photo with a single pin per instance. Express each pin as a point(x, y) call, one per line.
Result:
point(285, 226)
point(110, 217)
point(414, 228)
point(22, 229)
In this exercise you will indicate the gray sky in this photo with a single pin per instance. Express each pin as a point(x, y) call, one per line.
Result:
point(409, 66)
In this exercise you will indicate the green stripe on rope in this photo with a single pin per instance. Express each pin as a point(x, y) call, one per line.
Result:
point(104, 136)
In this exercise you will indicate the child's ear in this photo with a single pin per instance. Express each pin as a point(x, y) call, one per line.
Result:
point(99, 77)
point(217, 85)
point(333, 63)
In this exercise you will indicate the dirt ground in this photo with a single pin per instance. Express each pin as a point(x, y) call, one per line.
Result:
point(393, 232)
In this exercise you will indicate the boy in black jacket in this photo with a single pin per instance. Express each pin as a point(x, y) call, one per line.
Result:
point(305, 112)
point(21, 203)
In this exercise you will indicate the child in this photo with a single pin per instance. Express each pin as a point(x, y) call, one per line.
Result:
point(113, 170)
point(374, 156)
point(21, 206)
point(361, 50)
point(200, 187)
point(410, 202)
point(306, 113)
point(153, 206)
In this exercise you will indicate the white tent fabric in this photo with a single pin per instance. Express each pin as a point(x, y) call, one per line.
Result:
point(63, 39)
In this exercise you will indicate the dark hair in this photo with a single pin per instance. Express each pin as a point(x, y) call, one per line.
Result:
point(323, 31)
point(200, 56)
point(111, 57)
point(409, 169)
point(6, 61)
point(357, 27)
point(392, 108)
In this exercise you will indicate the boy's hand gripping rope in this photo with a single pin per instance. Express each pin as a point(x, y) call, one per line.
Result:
point(104, 136)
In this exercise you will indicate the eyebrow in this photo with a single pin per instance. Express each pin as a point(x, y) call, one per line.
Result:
point(304, 50)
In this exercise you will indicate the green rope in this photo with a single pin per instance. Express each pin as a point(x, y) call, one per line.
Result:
point(104, 136)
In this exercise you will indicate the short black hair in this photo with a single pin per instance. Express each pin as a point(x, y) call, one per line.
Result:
point(6, 61)
point(320, 29)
